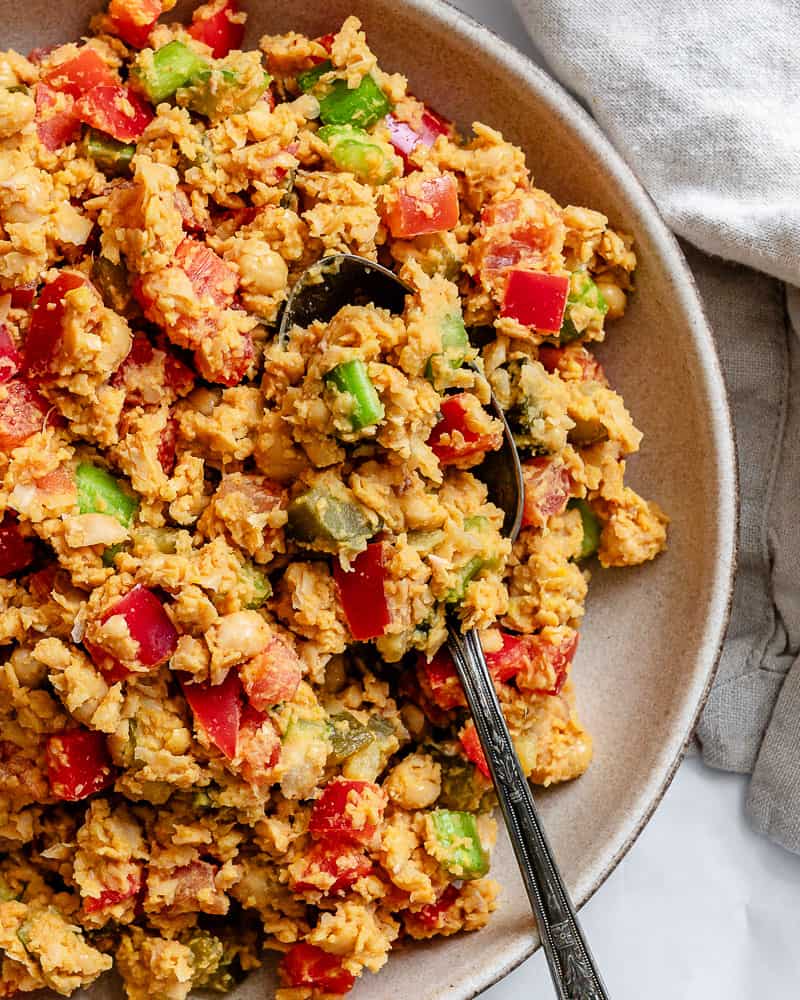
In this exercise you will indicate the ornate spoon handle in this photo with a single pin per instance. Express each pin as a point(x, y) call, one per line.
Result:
point(571, 964)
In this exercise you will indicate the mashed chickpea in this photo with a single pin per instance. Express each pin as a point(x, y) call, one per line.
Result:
point(228, 720)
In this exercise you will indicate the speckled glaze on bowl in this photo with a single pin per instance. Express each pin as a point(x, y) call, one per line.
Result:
point(652, 634)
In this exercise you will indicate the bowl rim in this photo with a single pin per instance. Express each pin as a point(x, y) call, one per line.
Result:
point(558, 100)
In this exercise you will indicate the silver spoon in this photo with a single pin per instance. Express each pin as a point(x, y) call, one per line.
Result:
point(319, 293)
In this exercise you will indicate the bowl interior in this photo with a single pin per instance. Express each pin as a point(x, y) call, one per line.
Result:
point(651, 634)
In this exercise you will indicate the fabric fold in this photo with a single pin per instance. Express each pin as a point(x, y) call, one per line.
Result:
point(706, 114)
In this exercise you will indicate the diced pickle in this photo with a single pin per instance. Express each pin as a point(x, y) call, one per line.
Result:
point(111, 280)
point(319, 518)
point(587, 431)
point(258, 585)
point(463, 785)
point(347, 736)
point(111, 156)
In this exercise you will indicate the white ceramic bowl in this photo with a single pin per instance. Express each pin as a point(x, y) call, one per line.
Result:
point(651, 635)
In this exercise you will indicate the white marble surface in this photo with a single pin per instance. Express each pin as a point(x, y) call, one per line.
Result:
point(702, 908)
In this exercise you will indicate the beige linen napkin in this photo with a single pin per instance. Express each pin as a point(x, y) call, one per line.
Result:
point(703, 101)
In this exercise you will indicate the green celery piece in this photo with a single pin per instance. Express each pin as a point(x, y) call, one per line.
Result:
point(319, 517)
point(467, 573)
point(111, 280)
point(308, 80)
point(351, 377)
point(591, 528)
point(111, 156)
point(352, 149)
point(348, 736)
point(260, 587)
point(100, 493)
point(460, 851)
point(360, 106)
point(18, 88)
point(586, 293)
point(455, 344)
point(474, 565)
point(110, 554)
point(172, 66)
point(476, 523)
point(5, 892)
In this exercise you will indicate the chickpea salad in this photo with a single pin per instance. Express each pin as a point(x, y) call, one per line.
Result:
point(229, 724)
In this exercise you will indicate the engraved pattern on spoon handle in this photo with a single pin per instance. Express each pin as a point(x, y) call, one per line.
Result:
point(571, 963)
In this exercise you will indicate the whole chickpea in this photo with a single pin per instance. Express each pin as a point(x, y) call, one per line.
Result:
point(262, 271)
point(616, 300)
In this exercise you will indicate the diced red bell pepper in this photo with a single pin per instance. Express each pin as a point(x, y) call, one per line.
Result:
point(115, 109)
point(272, 676)
point(410, 689)
point(552, 358)
point(430, 916)
point(233, 366)
point(362, 593)
point(506, 662)
point(78, 764)
point(536, 299)
point(462, 442)
point(79, 75)
point(439, 680)
point(23, 295)
point(326, 41)
point(16, 551)
point(42, 583)
point(149, 626)
point(195, 889)
point(166, 446)
point(345, 811)
point(57, 121)
point(23, 412)
point(218, 709)
point(46, 328)
point(547, 489)
point(210, 276)
point(218, 25)
point(345, 865)
point(133, 20)
point(143, 368)
point(547, 663)
point(38, 55)
point(432, 210)
point(405, 138)
point(307, 965)
point(258, 748)
point(110, 897)
point(471, 745)
point(10, 359)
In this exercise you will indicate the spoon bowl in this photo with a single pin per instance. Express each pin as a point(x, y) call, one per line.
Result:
point(345, 279)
